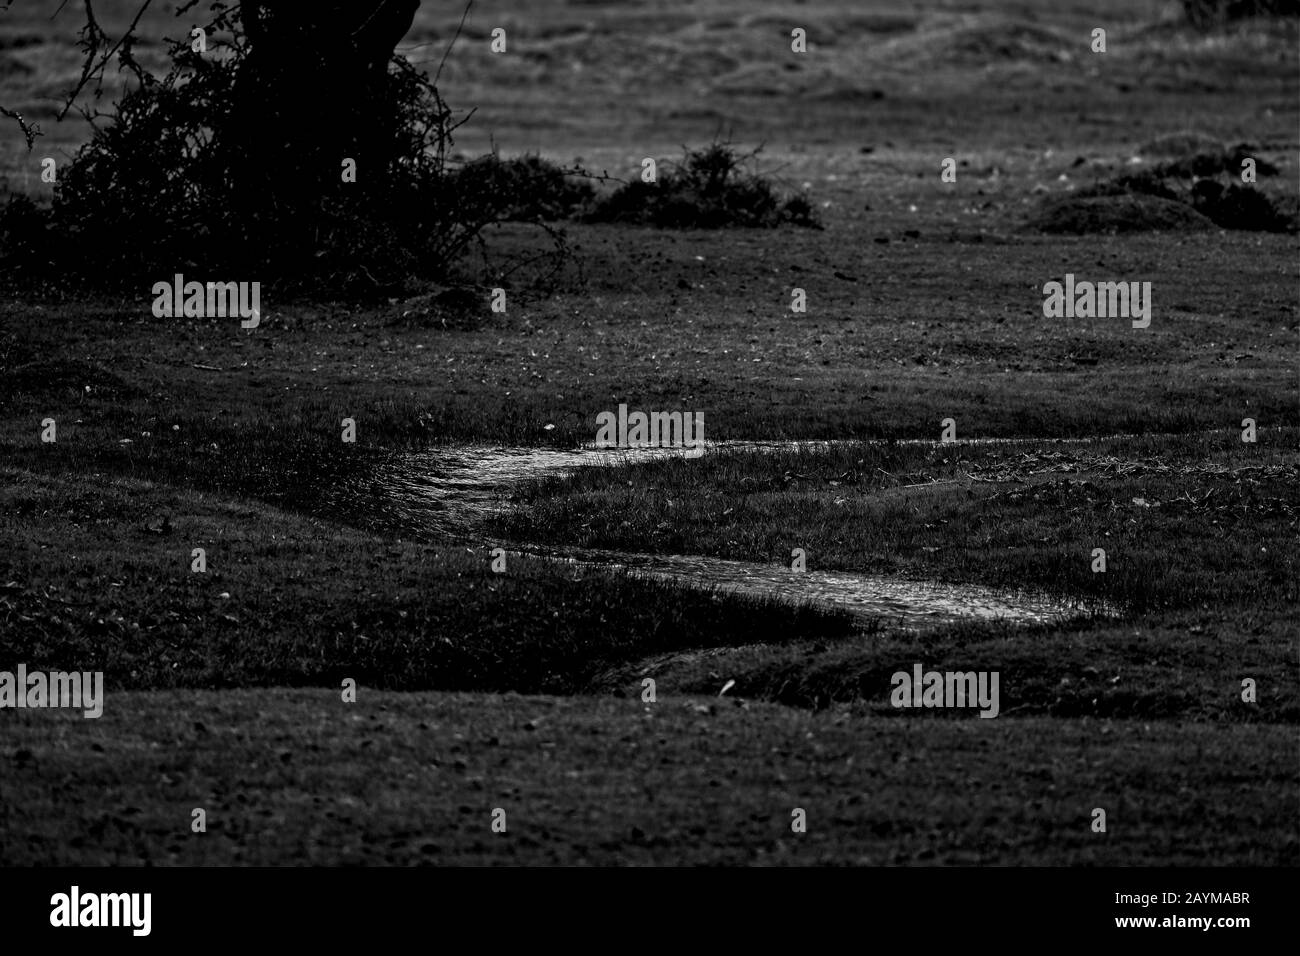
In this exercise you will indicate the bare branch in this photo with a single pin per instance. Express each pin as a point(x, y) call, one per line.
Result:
point(93, 39)
point(454, 38)
point(30, 131)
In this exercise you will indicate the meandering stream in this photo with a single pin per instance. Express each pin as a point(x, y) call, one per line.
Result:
point(454, 489)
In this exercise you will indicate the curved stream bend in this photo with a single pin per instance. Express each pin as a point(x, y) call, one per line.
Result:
point(452, 489)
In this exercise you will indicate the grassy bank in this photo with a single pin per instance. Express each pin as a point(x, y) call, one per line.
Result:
point(1184, 522)
point(99, 576)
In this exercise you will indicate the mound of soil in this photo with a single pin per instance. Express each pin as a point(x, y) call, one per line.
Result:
point(1181, 144)
point(1083, 215)
point(982, 41)
point(1182, 194)
point(1011, 41)
point(1144, 183)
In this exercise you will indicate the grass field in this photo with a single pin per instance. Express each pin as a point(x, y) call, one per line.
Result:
point(295, 776)
point(523, 690)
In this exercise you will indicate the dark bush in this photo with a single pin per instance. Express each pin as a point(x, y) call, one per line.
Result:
point(25, 240)
point(1214, 163)
point(1241, 207)
point(710, 189)
point(150, 191)
point(523, 189)
point(157, 191)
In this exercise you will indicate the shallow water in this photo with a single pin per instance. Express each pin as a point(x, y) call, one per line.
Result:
point(453, 489)
point(456, 486)
point(898, 602)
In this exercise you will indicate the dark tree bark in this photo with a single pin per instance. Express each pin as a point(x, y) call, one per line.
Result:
point(309, 95)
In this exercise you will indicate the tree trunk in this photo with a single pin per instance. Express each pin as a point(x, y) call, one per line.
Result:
point(309, 95)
